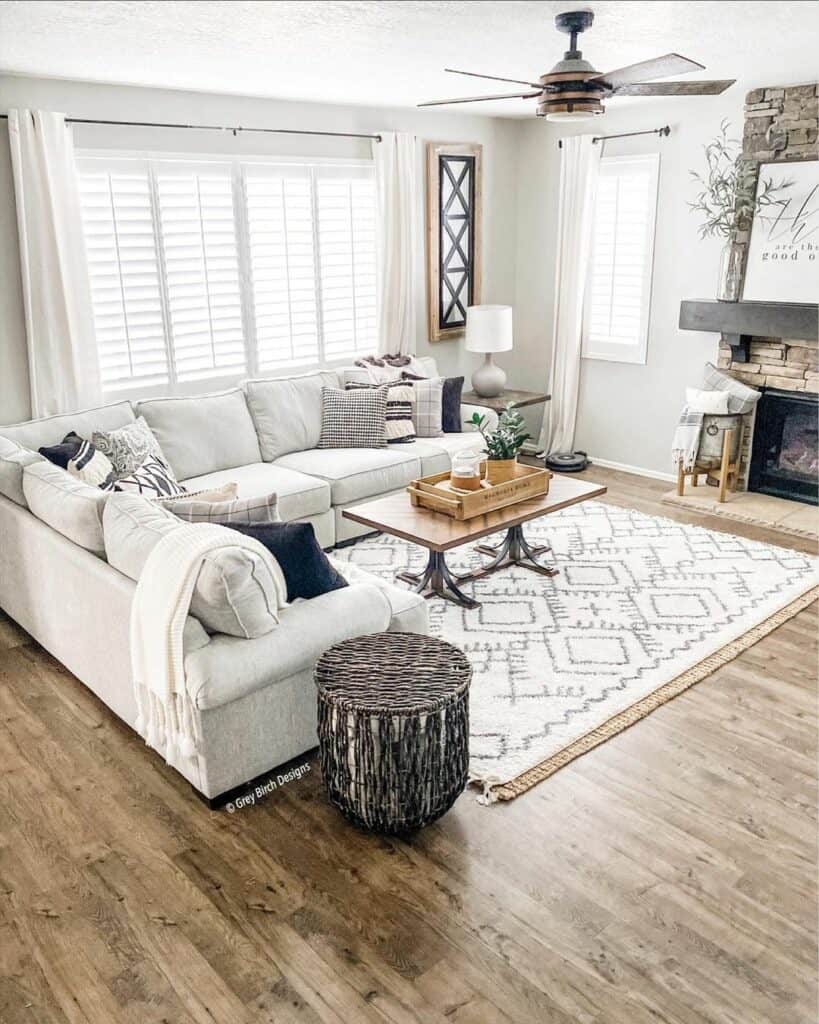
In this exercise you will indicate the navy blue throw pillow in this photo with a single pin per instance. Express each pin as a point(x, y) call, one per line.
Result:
point(61, 454)
point(307, 570)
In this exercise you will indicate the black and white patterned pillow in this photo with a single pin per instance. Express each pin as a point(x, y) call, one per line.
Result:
point(92, 467)
point(353, 419)
point(128, 447)
point(152, 478)
point(400, 401)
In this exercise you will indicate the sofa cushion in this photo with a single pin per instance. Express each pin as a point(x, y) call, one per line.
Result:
point(356, 473)
point(237, 592)
point(52, 429)
point(298, 495)
point(69, 506)
point(13, 458)
point(287, 412)
point(204, 433)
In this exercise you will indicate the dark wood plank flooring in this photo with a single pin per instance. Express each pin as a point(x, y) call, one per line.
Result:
point(669, 875)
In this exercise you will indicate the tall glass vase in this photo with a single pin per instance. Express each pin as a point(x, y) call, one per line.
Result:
point(729, 273)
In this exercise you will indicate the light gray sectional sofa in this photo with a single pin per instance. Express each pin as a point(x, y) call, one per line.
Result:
point(255, 700)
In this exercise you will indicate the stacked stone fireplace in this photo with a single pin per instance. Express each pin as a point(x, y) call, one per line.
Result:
point(780, 125)
point(780, 447)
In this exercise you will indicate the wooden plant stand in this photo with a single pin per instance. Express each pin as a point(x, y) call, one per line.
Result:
point(725, 475)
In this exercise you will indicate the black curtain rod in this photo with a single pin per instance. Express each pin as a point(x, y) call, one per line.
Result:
point(216, 128)
point(662, 132)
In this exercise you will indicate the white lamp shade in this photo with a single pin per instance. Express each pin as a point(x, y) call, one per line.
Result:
point(488, 328)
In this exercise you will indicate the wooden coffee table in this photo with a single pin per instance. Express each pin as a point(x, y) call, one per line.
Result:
point(439, 533)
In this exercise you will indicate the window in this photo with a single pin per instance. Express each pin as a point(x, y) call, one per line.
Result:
point(618, 290)
point(213, 270)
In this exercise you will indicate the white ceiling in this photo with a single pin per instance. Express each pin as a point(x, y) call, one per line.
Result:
point(393, 52)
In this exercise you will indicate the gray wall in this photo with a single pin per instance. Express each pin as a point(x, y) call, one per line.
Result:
point(627, 412)
point(82, 99)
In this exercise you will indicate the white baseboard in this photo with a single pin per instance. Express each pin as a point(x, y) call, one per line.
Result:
point(637, 470)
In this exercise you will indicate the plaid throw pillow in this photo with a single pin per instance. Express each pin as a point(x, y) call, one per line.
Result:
point(353, 419)
point(451, 422)
point(400, 400)
point(245, 511)
point(741, 398)
point(429, 414)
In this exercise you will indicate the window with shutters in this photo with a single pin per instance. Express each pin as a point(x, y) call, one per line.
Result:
point(212, 270)
point(618, 289)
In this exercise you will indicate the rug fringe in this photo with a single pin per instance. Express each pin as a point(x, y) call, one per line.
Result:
point(493, 792)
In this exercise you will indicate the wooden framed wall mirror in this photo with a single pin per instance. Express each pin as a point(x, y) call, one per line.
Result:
point(453, 236)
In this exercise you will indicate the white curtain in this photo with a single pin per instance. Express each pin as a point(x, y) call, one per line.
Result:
point(579, 165)
point(396, 189)
point(62, 358)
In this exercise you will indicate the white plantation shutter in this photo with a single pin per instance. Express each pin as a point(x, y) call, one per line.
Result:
point(198, 239)
point(618, 290)
point(206, 269)
point(123, 264)
point(345, 202)
point(282, 263)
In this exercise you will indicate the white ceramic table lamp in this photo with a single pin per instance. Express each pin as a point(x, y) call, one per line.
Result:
point(488, 330)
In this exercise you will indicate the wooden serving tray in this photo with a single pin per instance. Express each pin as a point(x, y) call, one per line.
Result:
point(437, 493)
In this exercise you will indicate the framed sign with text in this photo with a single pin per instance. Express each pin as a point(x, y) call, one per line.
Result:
point(783, 254)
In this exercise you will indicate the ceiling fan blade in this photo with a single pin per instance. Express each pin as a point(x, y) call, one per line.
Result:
point(660, 67)
point(495, 78)
point(479, 99)
point(674, 88)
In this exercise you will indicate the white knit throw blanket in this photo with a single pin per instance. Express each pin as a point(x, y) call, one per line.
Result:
point(161, 603)
point(686, 441)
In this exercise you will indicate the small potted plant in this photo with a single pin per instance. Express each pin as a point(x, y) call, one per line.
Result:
point(728, 200)
point(502, 444)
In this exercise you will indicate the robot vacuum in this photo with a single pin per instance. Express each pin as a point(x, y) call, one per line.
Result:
point(566, 462)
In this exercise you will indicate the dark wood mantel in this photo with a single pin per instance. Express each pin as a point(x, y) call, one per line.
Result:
point(740, 321)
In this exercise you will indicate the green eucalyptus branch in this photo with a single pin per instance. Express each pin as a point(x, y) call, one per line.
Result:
point(728, 191)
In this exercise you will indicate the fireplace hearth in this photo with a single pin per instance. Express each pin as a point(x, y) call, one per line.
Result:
point(785, 448)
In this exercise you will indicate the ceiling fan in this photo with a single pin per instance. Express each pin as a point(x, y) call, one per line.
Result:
point(573, 90)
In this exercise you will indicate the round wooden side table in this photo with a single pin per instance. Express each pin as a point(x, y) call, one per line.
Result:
point(393, 727)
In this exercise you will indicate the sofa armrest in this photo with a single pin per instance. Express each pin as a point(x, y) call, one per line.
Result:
point(466, 415)
point(230, 667)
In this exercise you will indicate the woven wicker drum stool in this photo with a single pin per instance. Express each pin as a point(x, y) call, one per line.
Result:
point(393, 726)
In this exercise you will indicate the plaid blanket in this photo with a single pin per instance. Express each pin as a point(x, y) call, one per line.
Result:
point(686, 438)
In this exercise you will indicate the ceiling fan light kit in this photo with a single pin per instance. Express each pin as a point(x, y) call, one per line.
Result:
point(575, 91)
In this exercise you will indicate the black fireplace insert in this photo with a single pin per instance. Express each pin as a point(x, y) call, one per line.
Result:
point(785, 448)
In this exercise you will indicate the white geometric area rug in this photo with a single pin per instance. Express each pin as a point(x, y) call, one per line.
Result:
point(642, 608)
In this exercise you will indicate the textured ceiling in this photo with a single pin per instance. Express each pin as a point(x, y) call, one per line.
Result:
point(392, 52)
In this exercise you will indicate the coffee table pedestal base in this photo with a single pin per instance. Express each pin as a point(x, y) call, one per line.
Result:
point(437, 581)
point(514, 549)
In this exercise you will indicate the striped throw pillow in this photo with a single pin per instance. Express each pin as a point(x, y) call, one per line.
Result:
point(353, 419)
point(400, 401)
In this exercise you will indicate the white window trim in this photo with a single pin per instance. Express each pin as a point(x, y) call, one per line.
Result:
point(130, 390)
point(618, 352)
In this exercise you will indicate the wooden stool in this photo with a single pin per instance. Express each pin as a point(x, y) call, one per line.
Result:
point(725, 475)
